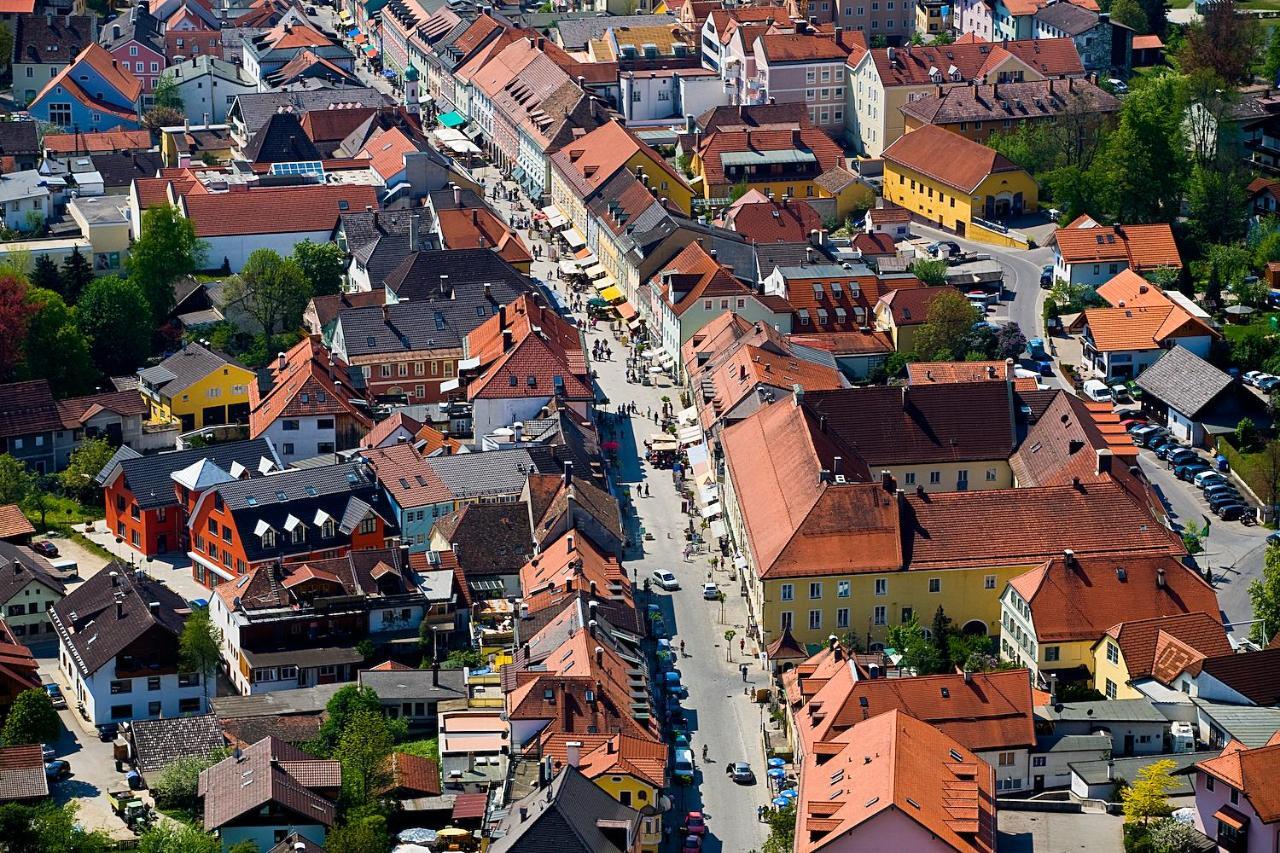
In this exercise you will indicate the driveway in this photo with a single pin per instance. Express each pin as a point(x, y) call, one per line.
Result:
point(1234, 552)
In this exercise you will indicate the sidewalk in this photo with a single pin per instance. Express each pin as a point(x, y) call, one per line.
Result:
point(172, 569)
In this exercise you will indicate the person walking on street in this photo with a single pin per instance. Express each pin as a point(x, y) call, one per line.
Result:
point(744, 673)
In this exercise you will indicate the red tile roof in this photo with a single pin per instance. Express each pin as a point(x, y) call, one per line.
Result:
point(623, 754)
point(947, 157)
point(278, 210)
point(478, 227)
point(592, 159)
point(1142, 247)
point(1252, 771)
point(572, 564)
point(774, 222)
point(894, 763)
point(101, 142)
point(1149, 650)
point(973, 60)
point(714, 145)
point(312, 382)
point(413, 774)
point(385, 428)
point(800, 47)
point(949, 372)
point(13, 523)
point(1081, 601)
point(1151, 42)
point(910, 306)
point(386, 152)
point(541, 345)
point(1142, 328)
point(336, 124)
point(694, 274)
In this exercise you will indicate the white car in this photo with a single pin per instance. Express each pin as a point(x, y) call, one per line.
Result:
point(665, 579)
point(710, 591)
point(1253, 377)
point(1097, 391)
point(1207, 478)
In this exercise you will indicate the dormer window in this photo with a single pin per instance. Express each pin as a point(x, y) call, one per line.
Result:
point(268, 538)
point(329, 529)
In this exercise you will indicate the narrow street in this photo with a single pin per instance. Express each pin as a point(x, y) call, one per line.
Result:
point(721, 716)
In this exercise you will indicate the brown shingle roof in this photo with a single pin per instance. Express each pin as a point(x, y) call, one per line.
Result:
point(268, 772)
point(281, 210)
point(1022, 101)
point(13, 523)
point(947, 157)
point(22, 773)
point(1048, 57)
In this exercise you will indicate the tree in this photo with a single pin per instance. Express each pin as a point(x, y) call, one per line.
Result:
point(170, 837)
point(166, 94)
point(17, 481)
point(367, 835)
point(1217, 202)
point(176, 786)
point(76, 276)
point(322, 264)
point(116, 315)
point(363, 749)
point(44, 273)
point(1139, 174)
point(940, 633)
point(340, 710)
point(1157, 15)
point(463, 659)
point(782, 829)
point(1009, 341)
point(86, 461)
point(167, 249)
point(1271, 62)
point(1148, 795)
point(944, 336)
point(918, 654)
point(246, 846)
point(1264, 594)
point(1246, 434)
point(31, 719)
point(1223, 41)
point(157, 118)
point(1173, 836)
point(15, 321)
point(6, 45)
point(271, 289)
point(1130, 14)
point(198, 647)
point(55, 348)
point(931, 272)
point(728, 643)
point(47, 828)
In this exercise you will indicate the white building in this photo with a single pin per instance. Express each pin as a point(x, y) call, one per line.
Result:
point(27, 591)
point(209, 86)
point(26, 201)
point(118, 648)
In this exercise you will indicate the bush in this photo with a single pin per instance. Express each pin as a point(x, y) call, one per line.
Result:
point(176, 786)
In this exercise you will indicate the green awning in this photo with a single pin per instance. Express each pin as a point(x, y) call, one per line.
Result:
point(788, 157)
point(453, 119)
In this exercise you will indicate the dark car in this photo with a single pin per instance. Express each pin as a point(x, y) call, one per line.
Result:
point(45, 548)
point(1044, 368)
point(57, 769)
point(691, 842)
point(1231, 512)
point(107, 731)
point(944, 249)
point(1188, 471)
point(1167, 449)
point(1224, 500)
point(55, 696)
point(1218, 490)
point(1046, 277)
point(1154, 439)
point(1182, 456)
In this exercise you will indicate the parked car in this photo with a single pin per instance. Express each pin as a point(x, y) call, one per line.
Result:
point(57, 769)
point(1252, 377)
point(1097, 390)
point(1274, 538)
point(55, 695)
point(710, 591)
point(665, 579)
point(1133, 424)
point(1120, 393)
point(47, 752)
point(1268, 384)
point(1152, 436)
point(1179, 456)
point(684, 765)
point(1046, 276)
point(1167, 448)
point(107, 731)
point(1044, 368)
point(1188, 472)
point(944, 249)
point(694, 824)
point(691, 842)
point(742, 773)
point(1118, 86)
point(1221, 495)
point(45, 548)
point(1231, 512)
point(1208, 478)
point(1224, 500)
point(677, 691)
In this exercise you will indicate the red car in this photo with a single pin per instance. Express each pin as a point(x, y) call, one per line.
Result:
point(45, 548)
point(694, 824)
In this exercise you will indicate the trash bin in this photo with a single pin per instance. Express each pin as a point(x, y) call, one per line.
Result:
point(1221, 463)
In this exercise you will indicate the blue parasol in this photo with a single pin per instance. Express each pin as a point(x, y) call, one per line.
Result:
point(780, 802)
point(777, 762)
point(776, 773)
point(789, 794)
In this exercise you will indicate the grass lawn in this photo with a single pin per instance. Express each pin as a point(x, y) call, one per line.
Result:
point(1261, 324)
point(1179, 4)
point(62, 512)
point(425, 748)
point(1260, 4)
point(91, 546)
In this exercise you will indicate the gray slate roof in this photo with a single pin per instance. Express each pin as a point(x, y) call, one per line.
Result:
point(575, 33)
point(1252, 725)
point(184, 368)
point(159, 743)
point(1113, 711)
point(18, 137)
point(496, 472)
point(1095, 772)
point(122, 168)
point(563, 818)
point(256, 107)
point(414, 685)
point(1073, 743)
point(380, 239)
point(148, 477)
point(135, 24)
point(1184, 381)
point(304, 700)
point(19, 566)
point(38, 39)
point(1068, 17)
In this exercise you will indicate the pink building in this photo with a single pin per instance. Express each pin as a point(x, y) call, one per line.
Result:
point(134, 40)
point(807, 68)
point(1237, 799)
point(975, 17)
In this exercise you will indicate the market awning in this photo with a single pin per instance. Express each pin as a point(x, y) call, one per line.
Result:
point(663, 442)
point(371, 51)
point(453, 119)
point(360, 37)
point(596, 271)
point(604, 283)
point(612, 294)
point(569, 267)
point(353, 32)
point(518, 174)
point(710, 510)
point(691, 435)
point(554, 217)
point(625, 311)
point(573, 238)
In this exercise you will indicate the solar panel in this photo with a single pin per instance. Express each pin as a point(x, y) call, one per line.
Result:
point(308, 167)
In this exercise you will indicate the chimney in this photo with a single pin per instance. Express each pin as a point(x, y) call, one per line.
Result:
point(457, 195)
point(599, 656)
point(1069, 558)
point(435, 673)
point(815, 237)
point(568, 472)
point(413, 233)
point(886, 480)
point(1160, 578)
point(968, 676)
point(1104, 460)
point(573, 748)
point(115, 576)
point(569, 544)
point(119, 607)
point(837, 465)
point(280, 361)
point(508, 339)
point(154, 607)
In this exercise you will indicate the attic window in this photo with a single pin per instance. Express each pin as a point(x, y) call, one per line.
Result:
point(946, 693)
point(803, 314)
point(281, 496)
point(513, 380)
point(957, 757)
point(533, 381)
point(836, 289)
point(304, 397)
point(370, 342)
point(343, 205)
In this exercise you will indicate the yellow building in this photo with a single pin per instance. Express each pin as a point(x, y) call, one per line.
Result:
point(829, 552)
point(1159, 650)
point(930, 18)
point(1054, 615)
point(633, 771)
point(198, 388)
point(957, 184)
point(104, 220)
point(782, 162)
point(196, 145)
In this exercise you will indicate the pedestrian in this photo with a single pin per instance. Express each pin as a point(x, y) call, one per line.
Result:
point(742, 647)
point(681, 642)
point(744, 673)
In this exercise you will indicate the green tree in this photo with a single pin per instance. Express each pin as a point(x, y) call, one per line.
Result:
point(1009, 341)
point(1148, 795)
point(1264, 594)
point(918, 654)
point(366, 835)
point(1140, 173)
point(1157, 15)
point(167, 249)
point(270, 289)
point(1130, 14)
point(177, 785)
point(1223, 41)
point(56, 349)
point(782, 828)
point(77, 273)
point(17, 481)
point(341, 708)
point(363, 749)
point(31, 719)
point(86, 461)
point(44, 273)
point(944, 37)
point(167, 94)
point(460, 658)
point(322, 264)
point(1217, 203)
point(47, 828)
point(931, 272)
point(728, 643)
point(246, 846)
point(1271, 62)
point(6, 45)
point(116, 315)
point(1246, 434)
point(940, 633)
point(945, 335)
point(172, 837)
point(198, 647)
